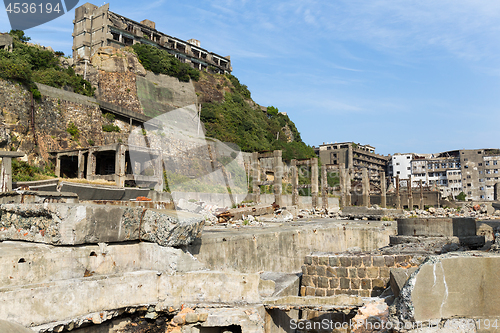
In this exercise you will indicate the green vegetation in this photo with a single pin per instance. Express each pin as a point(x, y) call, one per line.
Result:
point(23, 172)
point(110, 128)
point(30, 64)
point(234, 120)
point(161, 62)
point(73, 130)
point(462, 196)
point(109, 116)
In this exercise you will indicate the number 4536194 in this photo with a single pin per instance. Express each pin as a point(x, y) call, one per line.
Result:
point(32, 8)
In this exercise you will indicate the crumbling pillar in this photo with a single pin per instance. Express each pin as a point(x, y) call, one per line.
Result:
point(324, 187)
point(278, 176)
point(314, 182)
point(366, 188)
point(255, 167)
point(81, 165)
point(342, 184)
point(347, 179)
point(120, 165)
point(410, 193)
point(91, 164)
point(350, 158)
point(6, 169)
point(496, 192)
point(398, 198)
point(158, 168)
point(295, 183)
point(58, 166)
point(421, 195)
point(383, 191)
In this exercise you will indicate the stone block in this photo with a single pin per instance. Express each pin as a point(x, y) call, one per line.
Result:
point(320, 292)
point(378, 283)
point(311, 270)
point(334, 283)
point(372, 272)
point(353, 272)
point(342, 272)
point(398, 278)
point(355, 283)
point(345, 283)
point(389, 261)
point(365, 293)
point(330, 272)
point(385, 272)
point(324, 261)
point(330, 292)
point(303, 291)
point(367, 261)
point(378, 261)
point(345, 261)
point(399, 259)
point(321, 270)
point(310, 291)
point(191, 317)
point(308, 260)
point(304, 270)
point(315, 260)
point(323, 282)
point(361, 273)
point(356, 261)
point(334, 261)
point(307, 280)
point(366, 284)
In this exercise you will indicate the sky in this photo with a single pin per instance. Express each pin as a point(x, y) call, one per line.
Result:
point(400, 75)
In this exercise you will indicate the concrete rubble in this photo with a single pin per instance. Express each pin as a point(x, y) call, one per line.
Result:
point(67, 224)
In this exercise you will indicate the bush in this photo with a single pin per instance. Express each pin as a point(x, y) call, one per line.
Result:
point(110, 128)
point(161, 62)
point(73, 130)
point(23, 172)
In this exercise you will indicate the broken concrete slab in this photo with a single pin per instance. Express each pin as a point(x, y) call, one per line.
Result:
point(24, 263)
point(285, 284)
point(30, 197)
point(311, 302)
point(398, 278)
point(72, 224)
point(437, 227)
point(452, 286)
point(358, 212)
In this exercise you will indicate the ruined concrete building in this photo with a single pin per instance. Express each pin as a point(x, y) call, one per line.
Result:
point(355, 157)
point(6, 42)
point(95, 27)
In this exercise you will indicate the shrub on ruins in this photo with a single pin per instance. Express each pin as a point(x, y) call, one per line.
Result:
point(24, 172)
point(28, 64)
point(161, 62)
point(461, 196)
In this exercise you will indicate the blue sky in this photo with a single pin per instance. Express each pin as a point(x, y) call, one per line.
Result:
point(404, 76)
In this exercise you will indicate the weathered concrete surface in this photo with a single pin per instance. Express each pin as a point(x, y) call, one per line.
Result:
point(398, 278)
point(324, 303)
point(283, 248)
point(30, 263)
point(453, 286)
point(249, 319)
point(6, 327)
point(37, 197)
point(437, 227)
point(63, 301)
point(71, 224)
point(283, 284)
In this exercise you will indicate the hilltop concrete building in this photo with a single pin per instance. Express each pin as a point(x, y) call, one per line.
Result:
point(6, 42)
point(400, 165)
point(355, 157)
point(95, 27)
point(441, 171)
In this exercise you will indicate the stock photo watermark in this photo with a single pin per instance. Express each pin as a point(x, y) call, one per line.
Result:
point(31, 13)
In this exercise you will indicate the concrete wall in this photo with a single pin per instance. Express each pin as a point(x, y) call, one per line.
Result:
point(283, 248)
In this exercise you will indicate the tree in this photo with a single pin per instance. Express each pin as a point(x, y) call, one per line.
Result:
point(461, 196)
point(19, 34)
point(272, 111)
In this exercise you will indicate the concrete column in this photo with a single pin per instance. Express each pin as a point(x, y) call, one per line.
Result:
point(398, 198)
point(6, 174)
point(383, 190)
point(158, 172)
point(347, 179)
point(81, 165)
point(120, 165)
point(350, 158)
point(342, 185)
point(295, 183)
point(324, 187)
point(255, 172)
point(421, 195)
point(278, 176)
point(91, 164)
point(58, 165)
point(410, 193)
point(314, 182)
point(366, 188)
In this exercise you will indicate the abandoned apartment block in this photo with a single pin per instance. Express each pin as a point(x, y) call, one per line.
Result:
point(96, 27)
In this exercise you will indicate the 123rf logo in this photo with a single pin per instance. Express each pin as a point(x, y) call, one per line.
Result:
point(31, 13)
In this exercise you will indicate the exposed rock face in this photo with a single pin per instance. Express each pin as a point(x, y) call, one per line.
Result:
point(70, 224)
point(110, 59)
